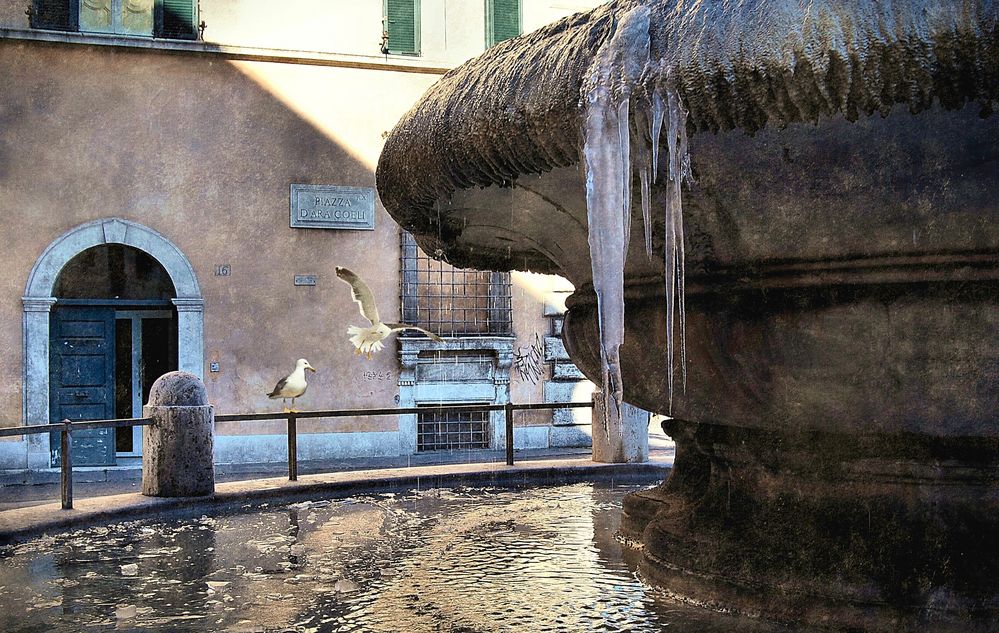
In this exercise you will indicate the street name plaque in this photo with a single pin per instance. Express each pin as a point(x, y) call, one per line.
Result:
point(332, 207)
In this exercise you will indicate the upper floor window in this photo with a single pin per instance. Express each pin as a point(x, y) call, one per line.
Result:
point(502, 20)
point(176, 19)
point(401, 34)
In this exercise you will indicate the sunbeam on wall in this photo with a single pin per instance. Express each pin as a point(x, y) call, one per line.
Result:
point(352, 107)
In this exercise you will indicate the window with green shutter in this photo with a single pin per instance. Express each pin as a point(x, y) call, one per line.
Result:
point(502, 20)
point(402, 27)
point(177, 19)
point(174, 19)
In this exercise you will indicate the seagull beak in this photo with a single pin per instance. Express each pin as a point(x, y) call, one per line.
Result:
point(311, 368)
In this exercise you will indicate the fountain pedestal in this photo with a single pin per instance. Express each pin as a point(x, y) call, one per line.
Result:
point(882, 533)
point(620, 435)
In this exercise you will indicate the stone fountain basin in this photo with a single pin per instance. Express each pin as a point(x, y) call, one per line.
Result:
point(836, 435)
point(840, 276)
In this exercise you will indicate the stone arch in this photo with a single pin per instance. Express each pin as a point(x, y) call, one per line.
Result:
point(38, 301)
point(111, 231)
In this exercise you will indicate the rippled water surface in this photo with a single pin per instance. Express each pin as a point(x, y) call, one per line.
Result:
point(452, 560)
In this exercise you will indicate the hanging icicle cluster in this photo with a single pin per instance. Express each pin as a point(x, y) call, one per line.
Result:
point(613, 152)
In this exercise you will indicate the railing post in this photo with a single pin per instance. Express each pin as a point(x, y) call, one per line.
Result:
point(67, 465)
point(292, 447)
point(508, 408)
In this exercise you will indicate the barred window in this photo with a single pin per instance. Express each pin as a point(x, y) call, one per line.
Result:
point(452, 301)
point(452, 430)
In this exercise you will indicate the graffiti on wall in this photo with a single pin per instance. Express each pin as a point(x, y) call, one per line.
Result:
point(530, 360)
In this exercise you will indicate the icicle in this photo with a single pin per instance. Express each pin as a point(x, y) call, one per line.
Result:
point(624, 140)
point(607, 156)
point(679, 168)
point(641, 158)
point(643, 176)
point(657, 127)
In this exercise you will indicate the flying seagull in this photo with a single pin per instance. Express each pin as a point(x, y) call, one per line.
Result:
point(293, 385)
point(368, 340)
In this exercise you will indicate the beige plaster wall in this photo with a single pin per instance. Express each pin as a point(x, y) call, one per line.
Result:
point(528, 294)
point(204, 152)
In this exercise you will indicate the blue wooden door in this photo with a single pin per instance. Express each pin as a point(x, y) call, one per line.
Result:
point(81, 380)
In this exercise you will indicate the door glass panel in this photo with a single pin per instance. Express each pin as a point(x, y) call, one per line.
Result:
point(95, 16)
point(123, 382)
point(159, 350)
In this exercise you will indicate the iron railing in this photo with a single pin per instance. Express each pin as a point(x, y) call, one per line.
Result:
point(66, 428)
point(293, 417)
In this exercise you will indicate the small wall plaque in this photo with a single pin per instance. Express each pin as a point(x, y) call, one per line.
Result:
point(305, 280)
point(332, 207)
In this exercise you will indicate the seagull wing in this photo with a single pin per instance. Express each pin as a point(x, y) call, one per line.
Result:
point(396, 327)
point(278, 387)
point(360, 292)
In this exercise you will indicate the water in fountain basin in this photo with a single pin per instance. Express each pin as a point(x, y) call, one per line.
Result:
point(452, 560)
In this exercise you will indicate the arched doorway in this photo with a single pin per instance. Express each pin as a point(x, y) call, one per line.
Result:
point(108, 307)
point(112, 332)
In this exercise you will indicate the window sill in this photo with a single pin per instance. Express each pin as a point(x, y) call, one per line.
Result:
point(394, 62)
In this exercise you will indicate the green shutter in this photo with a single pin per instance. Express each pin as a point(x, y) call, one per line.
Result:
point(177, 19)
point(502, 20)
point(403, 22)
point(61, 15)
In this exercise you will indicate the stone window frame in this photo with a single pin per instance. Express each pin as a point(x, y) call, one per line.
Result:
point(38, 301)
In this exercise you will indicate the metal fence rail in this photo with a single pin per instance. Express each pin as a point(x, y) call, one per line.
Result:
point(66, 428)
point(293, 417)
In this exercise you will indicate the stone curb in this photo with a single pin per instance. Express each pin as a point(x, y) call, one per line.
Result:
point(21, 524)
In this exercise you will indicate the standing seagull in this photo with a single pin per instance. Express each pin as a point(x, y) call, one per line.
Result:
point(293, 385)
point(368, 340)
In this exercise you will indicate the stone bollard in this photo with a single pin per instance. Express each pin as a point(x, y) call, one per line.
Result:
point(628, 438)
point(177, 450)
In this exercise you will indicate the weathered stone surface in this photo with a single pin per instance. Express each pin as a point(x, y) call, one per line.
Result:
point(567, 371)
point(837, 453)
point(569, 436)
point(177, 388)
point(872, 524)
point(554, 349)
point(177, 450)
point(557, 325)
point(515, 110)
point(569, 391)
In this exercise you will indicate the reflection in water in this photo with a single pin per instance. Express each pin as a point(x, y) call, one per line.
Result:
point(452, 560)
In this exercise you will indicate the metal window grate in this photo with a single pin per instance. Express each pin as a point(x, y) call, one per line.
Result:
point(448, 431)
point(453, 301)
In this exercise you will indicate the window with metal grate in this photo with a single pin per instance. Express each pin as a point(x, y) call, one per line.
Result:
point(454, 430)
point(453, 301)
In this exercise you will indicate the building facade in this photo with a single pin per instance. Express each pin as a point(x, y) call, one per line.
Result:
point(178, 180)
